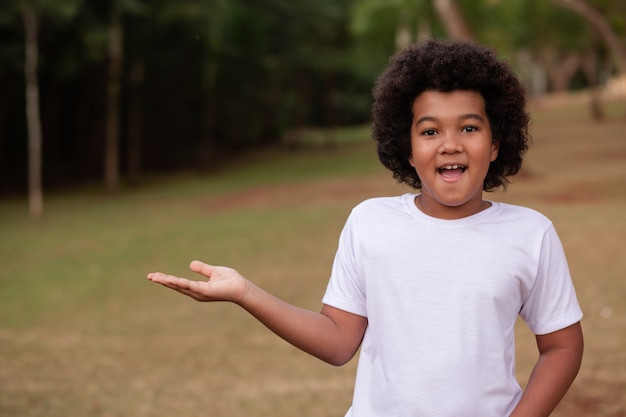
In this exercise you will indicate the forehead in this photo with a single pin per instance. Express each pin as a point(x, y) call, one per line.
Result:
point(439, 104)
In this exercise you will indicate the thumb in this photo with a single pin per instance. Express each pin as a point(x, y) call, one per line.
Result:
point(201, 268)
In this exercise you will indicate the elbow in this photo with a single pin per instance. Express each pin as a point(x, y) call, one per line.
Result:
point(336, 362)
point(338, 359)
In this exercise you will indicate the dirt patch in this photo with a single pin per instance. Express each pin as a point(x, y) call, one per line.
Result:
point(574, 194)
point(298, 195)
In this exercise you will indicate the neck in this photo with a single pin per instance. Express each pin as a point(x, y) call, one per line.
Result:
point(444, 212)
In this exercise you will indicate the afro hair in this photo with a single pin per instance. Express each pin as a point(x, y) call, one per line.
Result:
point(445, 66)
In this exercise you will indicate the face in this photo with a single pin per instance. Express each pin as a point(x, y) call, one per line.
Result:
point(451, 149)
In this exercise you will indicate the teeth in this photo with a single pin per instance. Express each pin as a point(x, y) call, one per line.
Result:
point(452, 167)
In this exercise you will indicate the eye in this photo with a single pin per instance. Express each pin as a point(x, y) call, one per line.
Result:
point(469, 129)
point(429, 132)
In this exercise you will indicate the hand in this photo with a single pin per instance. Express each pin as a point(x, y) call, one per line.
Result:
point(222, 284)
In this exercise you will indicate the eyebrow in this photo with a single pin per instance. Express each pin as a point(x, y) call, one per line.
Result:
point(472, 116)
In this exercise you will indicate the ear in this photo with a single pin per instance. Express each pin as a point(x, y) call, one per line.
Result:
point(411, 161)
point(495, 145)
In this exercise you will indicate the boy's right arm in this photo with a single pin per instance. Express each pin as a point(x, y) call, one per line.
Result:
point(332, 335)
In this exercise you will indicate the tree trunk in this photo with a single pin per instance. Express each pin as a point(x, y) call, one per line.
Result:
point(330, 111)
point(423, 30)
point(453, 20)
point(135, 120)
point(589, 66)
point(33, 119)
point(209, 147)
point(114, 73)
point(560, 68)
point(403, 36)
point(6, 103)
point(601, 24)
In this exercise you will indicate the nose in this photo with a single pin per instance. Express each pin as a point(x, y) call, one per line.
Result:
point(450, 143)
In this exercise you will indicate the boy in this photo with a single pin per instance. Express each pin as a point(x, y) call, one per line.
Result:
point(429, 285)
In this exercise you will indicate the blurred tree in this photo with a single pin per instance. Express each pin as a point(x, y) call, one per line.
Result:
point(602, 24)
point(600, 16)
point(11, 62)
point(207, 79)
point(135, 115)
point(143, 48)
point(381, 27)
point(31, 11)
point(115, 57)
point(316, 64)
point(544, 43)
point(33, 120)
point(391, 25)
point(115, 62)
point(274, 62)
point(207, 21)
point(453, 19)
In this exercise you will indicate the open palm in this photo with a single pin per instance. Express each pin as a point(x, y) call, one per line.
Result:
point(221, 284)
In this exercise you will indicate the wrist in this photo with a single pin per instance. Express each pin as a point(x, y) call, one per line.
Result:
point(243, 295)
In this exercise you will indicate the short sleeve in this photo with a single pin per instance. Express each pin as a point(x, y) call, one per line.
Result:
point(552, 303)
point(346, 287)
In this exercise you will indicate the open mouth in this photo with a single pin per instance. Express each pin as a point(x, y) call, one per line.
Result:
point(451, 172)
point(445, 168)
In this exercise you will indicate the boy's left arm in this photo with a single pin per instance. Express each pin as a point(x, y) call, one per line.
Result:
point(560, 355)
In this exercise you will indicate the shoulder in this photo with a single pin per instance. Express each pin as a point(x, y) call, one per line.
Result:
point(376, 204)
point(522, 215)
point(381, 208)
point(378, 211)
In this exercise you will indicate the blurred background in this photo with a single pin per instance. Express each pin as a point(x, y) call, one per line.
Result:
point(137, 135)
point(112, 91)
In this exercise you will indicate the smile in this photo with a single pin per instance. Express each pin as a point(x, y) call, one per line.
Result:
point(451, 168)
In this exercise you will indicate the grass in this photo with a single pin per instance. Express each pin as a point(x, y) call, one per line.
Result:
point(83, 333)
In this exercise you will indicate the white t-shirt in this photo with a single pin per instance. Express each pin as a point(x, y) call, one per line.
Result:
point(441, 298)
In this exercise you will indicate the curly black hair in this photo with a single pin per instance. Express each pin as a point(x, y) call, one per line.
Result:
point(448, 65)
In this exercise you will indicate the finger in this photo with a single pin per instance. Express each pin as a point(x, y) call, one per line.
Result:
point(159, 277)
point(169, 280)
point(188, 293)
point(175, 282)
point(156, 277)
point(201, 268)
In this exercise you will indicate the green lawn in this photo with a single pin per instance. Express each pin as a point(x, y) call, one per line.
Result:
point(82, 332)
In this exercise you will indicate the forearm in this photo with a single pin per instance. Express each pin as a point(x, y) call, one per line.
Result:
point(313, 332)
point(551, 377)
point(332, 335)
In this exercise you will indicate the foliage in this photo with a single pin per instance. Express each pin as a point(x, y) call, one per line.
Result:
point(233, 75)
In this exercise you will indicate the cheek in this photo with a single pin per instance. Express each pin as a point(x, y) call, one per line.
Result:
point(422, 154)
